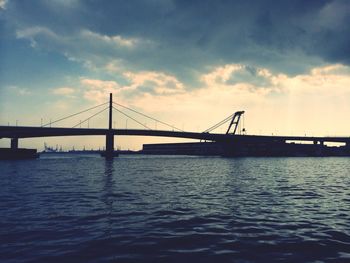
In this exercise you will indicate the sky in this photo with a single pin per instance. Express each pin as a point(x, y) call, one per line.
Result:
point(186, 62)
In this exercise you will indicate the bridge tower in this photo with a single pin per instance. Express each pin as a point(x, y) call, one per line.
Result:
point(110, 136)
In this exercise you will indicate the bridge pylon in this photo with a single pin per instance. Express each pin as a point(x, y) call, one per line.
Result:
point(109, 153)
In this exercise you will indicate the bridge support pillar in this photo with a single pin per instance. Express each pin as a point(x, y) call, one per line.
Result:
point(319, 142)
point(109, 145)
point(14, 143)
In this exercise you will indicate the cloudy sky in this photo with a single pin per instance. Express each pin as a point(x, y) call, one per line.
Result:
point(189, 63)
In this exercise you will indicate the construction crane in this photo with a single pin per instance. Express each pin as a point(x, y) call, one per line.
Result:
point(234, 122)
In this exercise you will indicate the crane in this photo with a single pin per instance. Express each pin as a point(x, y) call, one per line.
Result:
point(235, 118)
point(234, 122)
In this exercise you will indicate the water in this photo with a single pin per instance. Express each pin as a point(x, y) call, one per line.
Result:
point(76, 208)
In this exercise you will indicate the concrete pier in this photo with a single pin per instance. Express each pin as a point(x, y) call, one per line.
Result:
point(14, 143)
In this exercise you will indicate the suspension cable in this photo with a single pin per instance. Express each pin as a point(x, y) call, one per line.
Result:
point(132, 118)
point(171, 126)
point(72, 115)
point(219, 123)
point(90, 117)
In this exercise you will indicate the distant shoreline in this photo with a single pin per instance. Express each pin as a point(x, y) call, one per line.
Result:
point(91, 152)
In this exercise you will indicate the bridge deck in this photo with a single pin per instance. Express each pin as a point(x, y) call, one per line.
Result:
point(32, 132)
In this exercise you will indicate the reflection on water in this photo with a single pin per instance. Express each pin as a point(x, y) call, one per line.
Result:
point(158, 208)
point(108, 196)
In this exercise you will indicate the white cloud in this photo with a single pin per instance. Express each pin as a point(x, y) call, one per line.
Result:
point(68, 44)
point(238, 76)
point(31, 33)
point(3, 4)
point(157, 82)
point(140, 84)
point(114, 66)
point(98, 90)
point(333, 15)
point(63, 91)
point(62, 3)
point(98, 52)
point(220, 74)
point(60, 105)
point(114, 40)
point(19, 91)
point(100, 84)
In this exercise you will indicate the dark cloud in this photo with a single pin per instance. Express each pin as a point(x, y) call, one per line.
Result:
point(188, 36)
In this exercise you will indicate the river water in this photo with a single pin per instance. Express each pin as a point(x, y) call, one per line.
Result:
point(82, 208)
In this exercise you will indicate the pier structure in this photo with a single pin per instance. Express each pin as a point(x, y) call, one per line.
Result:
point(109, 153)
point(14, 143)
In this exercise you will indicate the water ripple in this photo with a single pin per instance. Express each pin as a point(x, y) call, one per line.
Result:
point(71, 208)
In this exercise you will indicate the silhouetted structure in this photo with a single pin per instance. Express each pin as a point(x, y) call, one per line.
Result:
point(109, 153)
point(12, 154)
point(229, 144)
point(244, 149)
point(191, 148)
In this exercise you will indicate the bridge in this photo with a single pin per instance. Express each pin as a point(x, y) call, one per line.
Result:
point(229, 138)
